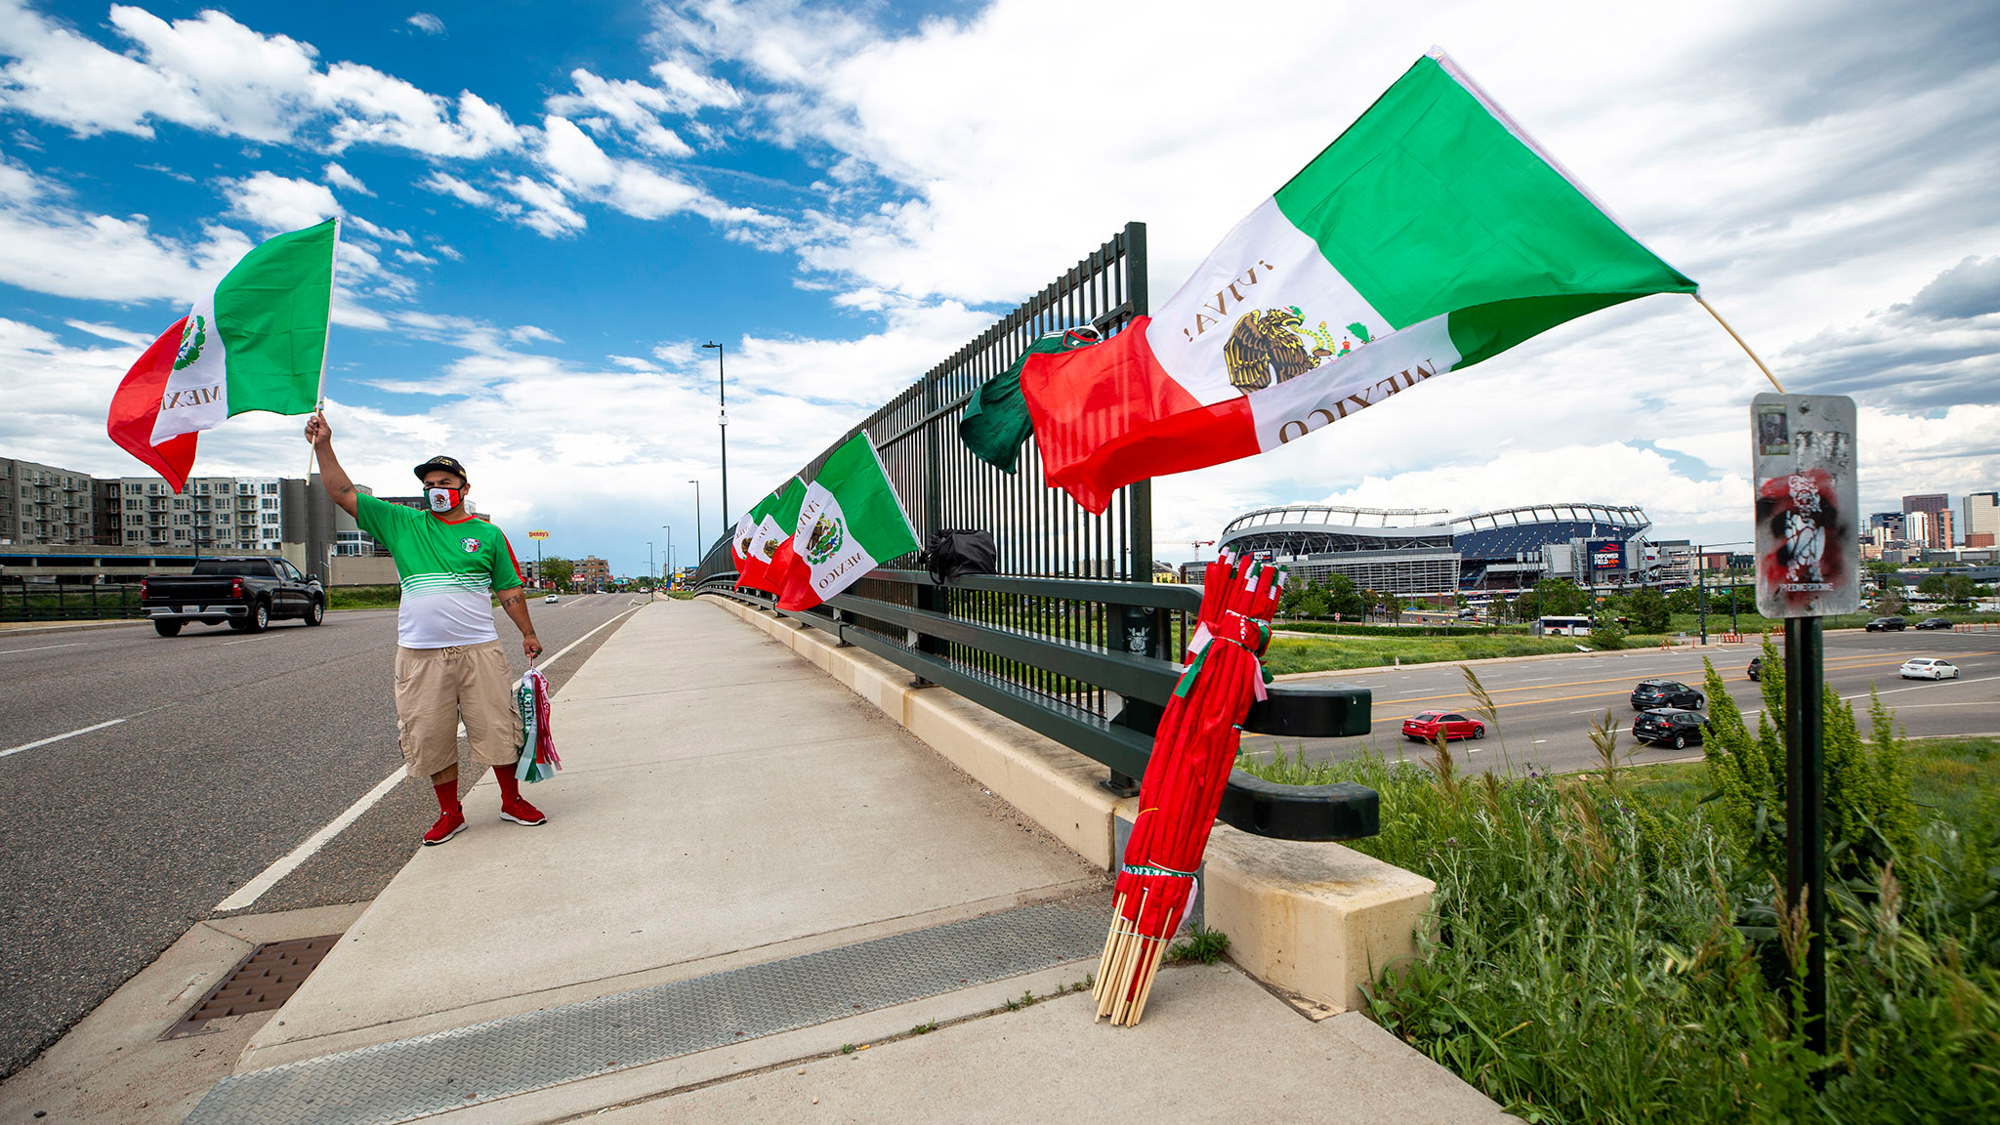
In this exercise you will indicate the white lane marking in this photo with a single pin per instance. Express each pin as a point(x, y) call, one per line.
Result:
point(565, 651)
point(39, 648)
point(226, 644)
point(59, 738)
point(1539, 741)
point(253, 890)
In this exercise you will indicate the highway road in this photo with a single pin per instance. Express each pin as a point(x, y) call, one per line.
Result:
point(1547, 703)
point(144, 780)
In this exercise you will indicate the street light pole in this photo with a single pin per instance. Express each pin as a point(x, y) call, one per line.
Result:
point(697, 514)
point(722, 425)
point(668, 528)
point(649, 562)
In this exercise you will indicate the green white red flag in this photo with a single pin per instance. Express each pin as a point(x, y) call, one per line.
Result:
point(1430, 235)
point(776, 516)
point(258, 342)
point(851, 521)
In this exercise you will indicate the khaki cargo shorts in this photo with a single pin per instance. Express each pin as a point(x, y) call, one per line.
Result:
point(437, 688)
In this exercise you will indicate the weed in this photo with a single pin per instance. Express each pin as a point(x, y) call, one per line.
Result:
point(924, 1028)
point(847, 1048)
point(1202, 945)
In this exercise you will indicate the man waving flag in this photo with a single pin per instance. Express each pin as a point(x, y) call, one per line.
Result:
point(258, 342)
point(1432, 234)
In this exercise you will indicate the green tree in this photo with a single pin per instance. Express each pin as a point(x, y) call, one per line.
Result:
point(1958, 589)
point(1647, 608)
point(558, 572)
point(1314, 602)
point(1932, 586)
point(1346, 600)
point(1392, 607)
point(1559, 597)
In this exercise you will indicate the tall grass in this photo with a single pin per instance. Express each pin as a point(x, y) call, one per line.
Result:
point(1599, 950)
point(1297, 654)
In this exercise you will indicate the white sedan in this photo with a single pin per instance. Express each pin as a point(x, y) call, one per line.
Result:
point(1928, 668)
point(551, 599)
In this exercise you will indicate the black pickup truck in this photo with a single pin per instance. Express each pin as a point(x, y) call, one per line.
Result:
point(247, 592)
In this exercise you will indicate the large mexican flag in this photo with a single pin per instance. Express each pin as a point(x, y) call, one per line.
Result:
point(776, 515)
point(1434, 233)
point(258, 342)
point(850, 522)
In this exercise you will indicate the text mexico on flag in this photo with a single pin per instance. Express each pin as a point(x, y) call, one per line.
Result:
point(1431, 235)
point(850, 522)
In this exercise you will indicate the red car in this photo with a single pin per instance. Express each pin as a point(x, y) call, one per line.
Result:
point(1429, 726)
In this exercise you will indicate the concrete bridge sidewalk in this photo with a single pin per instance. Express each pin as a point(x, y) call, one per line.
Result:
point(758, 898)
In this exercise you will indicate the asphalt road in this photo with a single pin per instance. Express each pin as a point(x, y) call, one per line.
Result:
point(1547, 704)
point(221, 753)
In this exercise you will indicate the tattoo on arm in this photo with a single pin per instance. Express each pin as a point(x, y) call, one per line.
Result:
point(508, 597)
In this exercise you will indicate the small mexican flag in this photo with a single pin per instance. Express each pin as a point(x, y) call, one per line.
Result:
point(1434, 233)
point(257, 343)
point(776, 515)
point(850, 523)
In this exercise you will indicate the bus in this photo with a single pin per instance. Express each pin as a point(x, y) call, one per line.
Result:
point(1563, 627)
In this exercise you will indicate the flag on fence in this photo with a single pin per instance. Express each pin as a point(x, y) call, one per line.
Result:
point(779, 514)
point(995, 423)
point(258, 342)
point(850, 522)
point(1431, 235)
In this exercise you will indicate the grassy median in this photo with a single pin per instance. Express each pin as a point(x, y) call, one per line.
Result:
point(1300, 654)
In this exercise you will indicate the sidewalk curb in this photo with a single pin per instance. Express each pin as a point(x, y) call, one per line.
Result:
point(25, 629)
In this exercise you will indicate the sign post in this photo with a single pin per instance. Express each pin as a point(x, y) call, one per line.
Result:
point(538, 536)
point(1808, 567)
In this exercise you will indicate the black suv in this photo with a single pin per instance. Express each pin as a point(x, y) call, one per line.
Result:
point(1669, 728)
point(1665, 693)
point(1884, 624)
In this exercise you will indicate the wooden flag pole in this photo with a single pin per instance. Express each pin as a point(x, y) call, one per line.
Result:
point(1740, 343)
point(332, 272)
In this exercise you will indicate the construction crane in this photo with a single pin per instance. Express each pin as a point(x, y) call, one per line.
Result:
point(1198, 544)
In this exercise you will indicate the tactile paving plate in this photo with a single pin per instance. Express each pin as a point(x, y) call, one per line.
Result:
point(414, 1078)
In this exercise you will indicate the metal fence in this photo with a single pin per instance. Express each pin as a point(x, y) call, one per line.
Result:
point(23, 600)
point(1072, 637)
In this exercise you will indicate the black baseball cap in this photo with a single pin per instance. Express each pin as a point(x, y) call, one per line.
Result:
point(448, 464)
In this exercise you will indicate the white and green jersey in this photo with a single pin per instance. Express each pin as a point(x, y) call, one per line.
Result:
point(449, 570)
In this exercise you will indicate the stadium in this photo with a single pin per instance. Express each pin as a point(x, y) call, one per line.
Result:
point(1410, 553)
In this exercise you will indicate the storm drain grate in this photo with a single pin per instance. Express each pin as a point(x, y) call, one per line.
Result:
point(263, 982)
point(429, 1074)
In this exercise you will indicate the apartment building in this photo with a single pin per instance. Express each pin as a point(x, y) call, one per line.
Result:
point(591, 572)
point(43, 504)
point(1982, 519)
point(210, 513)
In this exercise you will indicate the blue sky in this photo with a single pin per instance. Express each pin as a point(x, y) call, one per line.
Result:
point(548, 208)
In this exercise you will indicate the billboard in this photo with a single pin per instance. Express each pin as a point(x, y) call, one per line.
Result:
point(1606, 554)
point(1808, 531)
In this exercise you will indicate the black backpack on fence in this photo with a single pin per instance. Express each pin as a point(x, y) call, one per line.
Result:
point(953, 554)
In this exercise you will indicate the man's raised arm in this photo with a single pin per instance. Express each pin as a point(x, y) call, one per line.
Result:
point(331, 474)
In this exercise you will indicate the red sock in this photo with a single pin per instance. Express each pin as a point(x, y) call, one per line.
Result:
point(510, 786)
point(447, 792)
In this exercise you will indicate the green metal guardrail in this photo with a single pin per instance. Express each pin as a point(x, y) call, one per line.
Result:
point(943, 649)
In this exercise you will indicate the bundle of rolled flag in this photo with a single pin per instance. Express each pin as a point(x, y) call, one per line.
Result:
point(538, 760)
point(1193, 753)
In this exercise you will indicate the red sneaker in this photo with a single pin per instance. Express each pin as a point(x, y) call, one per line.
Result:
point(448, 825)
point(520, 811)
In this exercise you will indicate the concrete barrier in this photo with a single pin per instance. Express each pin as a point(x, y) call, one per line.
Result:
point(1312, 921)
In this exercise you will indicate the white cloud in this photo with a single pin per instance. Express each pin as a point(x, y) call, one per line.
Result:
point(401, 238)
point(527, 333)
point(426, 23)
point(415, 258)
point(49, 247)
point(632, 106)
point(344, 180)
point(445, 184)
point(277, 203)
point(112, 333)
point(548, 213)
point(213, 74)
